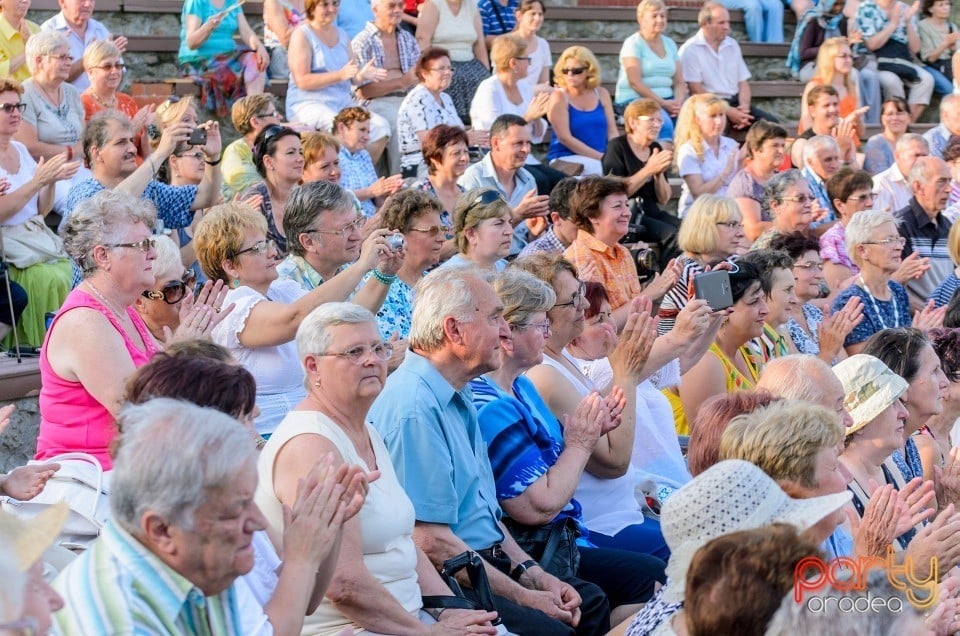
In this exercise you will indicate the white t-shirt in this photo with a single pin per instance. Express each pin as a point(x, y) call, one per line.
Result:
point(27, 169)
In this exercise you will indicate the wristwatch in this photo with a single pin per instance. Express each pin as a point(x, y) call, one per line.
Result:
point(518, 571)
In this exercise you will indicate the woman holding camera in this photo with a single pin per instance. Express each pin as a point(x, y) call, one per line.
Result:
point(278, 158)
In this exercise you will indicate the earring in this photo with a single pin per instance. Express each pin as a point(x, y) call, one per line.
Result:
point(236, 282)
point(317, 383)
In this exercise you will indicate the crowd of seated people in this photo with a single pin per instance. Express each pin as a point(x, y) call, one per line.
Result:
point(451, 315)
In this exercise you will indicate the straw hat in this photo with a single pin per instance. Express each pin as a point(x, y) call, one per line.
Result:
point(28, 539)
point(869, 388)
point(729, 496)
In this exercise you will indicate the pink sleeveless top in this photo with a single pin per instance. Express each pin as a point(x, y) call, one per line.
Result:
point(71, 420)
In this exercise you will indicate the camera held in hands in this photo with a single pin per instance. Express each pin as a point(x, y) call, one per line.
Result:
point(395, 242)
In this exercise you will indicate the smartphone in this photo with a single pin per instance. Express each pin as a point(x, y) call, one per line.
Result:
point(198, 137)
point(714, 287)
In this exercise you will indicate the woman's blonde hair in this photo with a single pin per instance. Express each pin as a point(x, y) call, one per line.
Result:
point(649, 5)
point(505, 48)
point(171, 111)
point(825, 69)
point(10, 84)
point(98, 51)
point(219, 236)
point(698, 232)
point(583, 55)
point(469, 212)
point(688, 128)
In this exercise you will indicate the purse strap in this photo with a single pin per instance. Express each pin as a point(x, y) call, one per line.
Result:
point(476, 573)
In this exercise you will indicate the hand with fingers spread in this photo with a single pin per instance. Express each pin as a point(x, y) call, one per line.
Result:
point(930, 317)
point(944, 617)
point(636, 340)
point(911, 268)
point(664, 281)
point(835, 328)
point(370, 73)
point(935, 544)
point(947, 479)
point(913, 503)
point(201, 314)
point(589, 271)
point(355, 483)
point(874, 533)
point(26, 482)
point(311, 526)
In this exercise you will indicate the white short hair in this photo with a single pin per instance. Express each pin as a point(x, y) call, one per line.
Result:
point(795, 377)
point(43, 43)
point(860, 226)
point(445, 292)
point(817, 143)
point(313, 334)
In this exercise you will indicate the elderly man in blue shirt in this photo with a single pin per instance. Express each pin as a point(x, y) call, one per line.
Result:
point(429, 424)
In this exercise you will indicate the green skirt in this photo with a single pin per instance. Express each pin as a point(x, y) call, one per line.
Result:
point(47, 286)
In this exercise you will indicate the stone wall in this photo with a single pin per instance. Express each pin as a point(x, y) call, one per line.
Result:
point(19, 442)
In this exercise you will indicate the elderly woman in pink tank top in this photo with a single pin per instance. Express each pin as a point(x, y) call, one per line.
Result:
point(97, 339)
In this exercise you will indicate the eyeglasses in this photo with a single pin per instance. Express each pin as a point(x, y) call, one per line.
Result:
point(869, 197)
point(486, 197)
point(354, 225)
point(573, 71)
point(266, 115)
point(62, 57)
point(731, 225)
point(442, 69)
point(818, 265)
point(268, 134)
point(576, 298)
point(9, 108)
point(174, 292)
point(653, 121)
point(260, 247)
point(433, 230)
point(381, 351)
point(526, 58)
point(544, 327)
point(145, 245)
point(801, 198)
point(898, 242)
point(843, 56)
point(118, 66)
point(196, 156)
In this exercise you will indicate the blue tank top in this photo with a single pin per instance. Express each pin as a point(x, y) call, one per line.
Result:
point(326, 59)
point(589, 126)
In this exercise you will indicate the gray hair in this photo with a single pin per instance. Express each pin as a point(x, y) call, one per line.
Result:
point(94, 222)
point(168, 258)
point(909, 138)
point(779, 183)
point(44, 43)
point(305, 204)
point(922, 169)
point(154, 470)
point(795, 377)
point(522, 294)
point(313, 334)
point(798, 618)
point(98, 51)
point(96, 134)
point(817, 143)
point(860, 226)
point(448, 291)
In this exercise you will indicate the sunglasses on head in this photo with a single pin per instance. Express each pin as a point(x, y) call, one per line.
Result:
point(484, 198)
point(174, 292)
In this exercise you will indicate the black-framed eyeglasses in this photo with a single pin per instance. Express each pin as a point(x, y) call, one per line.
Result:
point(352, 226)
point(260, 247)
point(486, 197)
point(145, 245)
point(381, 351)
point(433, 230)
point(576, 298)
point(117, 66)
point(174, 292)
point(9, 108)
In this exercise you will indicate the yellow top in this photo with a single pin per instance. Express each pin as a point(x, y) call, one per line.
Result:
point(12, 45)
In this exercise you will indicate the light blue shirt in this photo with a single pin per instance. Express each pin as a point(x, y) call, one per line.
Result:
point(433, 436)
point(95, 31)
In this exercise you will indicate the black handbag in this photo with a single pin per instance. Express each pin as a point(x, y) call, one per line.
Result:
point(473, 564)
point(553, 545)
point(895, 57)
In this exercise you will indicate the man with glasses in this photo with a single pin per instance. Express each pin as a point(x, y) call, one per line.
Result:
point(891, 187)
point(325, 247)
point(502, 169)
point(925, 228)
point(396, 51)
point(249, 115)
point(76, 22)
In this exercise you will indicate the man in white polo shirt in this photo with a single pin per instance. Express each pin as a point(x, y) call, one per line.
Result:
point(76, 22)
point(711, 62)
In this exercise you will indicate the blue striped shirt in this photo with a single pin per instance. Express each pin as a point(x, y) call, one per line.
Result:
point(119, 587)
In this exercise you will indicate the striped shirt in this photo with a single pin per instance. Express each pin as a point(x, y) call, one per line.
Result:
point(929, 238)
point(119, 587)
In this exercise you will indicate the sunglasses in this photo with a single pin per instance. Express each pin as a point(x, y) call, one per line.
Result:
point(574, 71)
point(270, 133)
point(174, 292)
point(9, 108)
point(119, 66)
point(486, 197)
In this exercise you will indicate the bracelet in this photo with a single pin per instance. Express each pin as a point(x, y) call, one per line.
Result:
point(518, 571)
point(213, 163)
point(384, 278)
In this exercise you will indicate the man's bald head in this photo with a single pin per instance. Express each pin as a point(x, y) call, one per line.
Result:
point(805, 377)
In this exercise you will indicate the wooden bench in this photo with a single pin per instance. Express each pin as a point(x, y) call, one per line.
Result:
point(612, 47)
point(18, 380)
